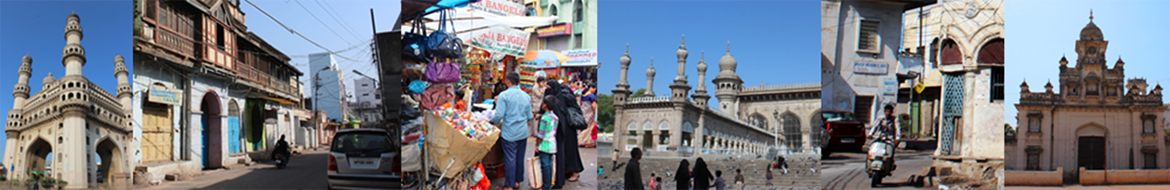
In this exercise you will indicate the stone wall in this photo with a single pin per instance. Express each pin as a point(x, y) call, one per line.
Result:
point(1038, 178)
point(1112, 177)
point(803, 171)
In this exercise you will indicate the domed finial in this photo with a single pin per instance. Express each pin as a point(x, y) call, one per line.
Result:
point(728, 46)
point(1090, 15)
point(118, 58)
point(27, 58)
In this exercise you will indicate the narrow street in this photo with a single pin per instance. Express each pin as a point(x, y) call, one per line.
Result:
point(305, 171)
point(846, 170)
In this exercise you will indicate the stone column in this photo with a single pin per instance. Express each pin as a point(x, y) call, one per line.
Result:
point(655, 139)
point(639, 138)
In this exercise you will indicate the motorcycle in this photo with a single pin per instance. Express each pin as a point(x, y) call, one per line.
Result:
point(879, 162)
point(281, 160)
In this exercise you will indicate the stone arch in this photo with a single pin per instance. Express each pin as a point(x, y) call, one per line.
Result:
point(759, 121)
point(112, 159)
point(37, 154)
point(991, 52)
point(664, 132)
point(212, 131)
point(1092, 129)
point(647, 135)
point(817, 132)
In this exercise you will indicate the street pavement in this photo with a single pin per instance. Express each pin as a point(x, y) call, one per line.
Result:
point(1120, 187)
point(305, 171)
point(588, 179)
point(846, 170)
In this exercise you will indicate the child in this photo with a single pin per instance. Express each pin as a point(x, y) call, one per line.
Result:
point(739, 179)
point(546, 135)
point(633, 175)
point(653, 185)
point(659, 182)
point(719, 182)
point(768, 176)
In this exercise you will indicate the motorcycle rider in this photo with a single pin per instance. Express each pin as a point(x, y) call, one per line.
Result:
point(281, 148)
point(886, 125)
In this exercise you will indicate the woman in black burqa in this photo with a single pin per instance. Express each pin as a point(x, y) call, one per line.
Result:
point(568, 159)
point(682, 177)
point(702, 176)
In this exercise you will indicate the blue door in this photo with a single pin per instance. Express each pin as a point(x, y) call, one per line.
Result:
point(234, 134)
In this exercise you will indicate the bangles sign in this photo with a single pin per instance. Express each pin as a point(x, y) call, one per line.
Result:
point(501, 39)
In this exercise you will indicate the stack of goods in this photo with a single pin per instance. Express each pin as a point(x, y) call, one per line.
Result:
point(472, 125)
point(527, 77)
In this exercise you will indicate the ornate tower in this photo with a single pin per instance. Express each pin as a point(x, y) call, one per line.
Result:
point(728, 84)
point(74, 54)
point(619, 98)
point(650, 80)
point(701, 96)
point(124, 92)
point(680, 88)
point(20, 91)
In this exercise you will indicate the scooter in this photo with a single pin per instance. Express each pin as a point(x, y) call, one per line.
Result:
point(281, 160)
point(879, 162)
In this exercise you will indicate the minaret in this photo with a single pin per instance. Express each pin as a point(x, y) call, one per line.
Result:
point(619, 98)
point(20, 91)
point(1024, 87)
point(48, 81)
point(649, 80)
point(680, 88)
point(701, 96)
point(74, 54)
point(124, 91)
point(728, 84)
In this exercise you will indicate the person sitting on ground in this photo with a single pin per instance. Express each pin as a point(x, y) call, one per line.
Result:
point(633, 170)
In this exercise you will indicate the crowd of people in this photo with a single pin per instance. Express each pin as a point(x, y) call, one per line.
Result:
point(686, 177)
point(545, 114)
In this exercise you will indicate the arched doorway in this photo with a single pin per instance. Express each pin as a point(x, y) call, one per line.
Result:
point(38, 154)
point(234, 133)
point(212, 131)
point(1091, 147)
point(110, 161)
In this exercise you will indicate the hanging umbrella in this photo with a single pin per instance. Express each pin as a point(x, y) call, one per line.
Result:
point(545, 58)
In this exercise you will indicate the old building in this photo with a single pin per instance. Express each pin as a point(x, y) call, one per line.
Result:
point(73, 119)
point(1093, 117)
point(212, 92)
point(750, 120)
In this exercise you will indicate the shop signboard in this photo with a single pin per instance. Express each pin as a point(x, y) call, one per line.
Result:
point(581, 58)
point(862, 67)
point(499, 7)
point(501, 39)
point(164, 95)
point(554, 30)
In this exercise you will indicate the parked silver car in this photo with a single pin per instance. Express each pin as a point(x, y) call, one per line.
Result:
point(363, 159)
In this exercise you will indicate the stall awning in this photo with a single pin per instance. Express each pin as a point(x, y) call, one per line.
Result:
point(281, 101)
point(469, 22)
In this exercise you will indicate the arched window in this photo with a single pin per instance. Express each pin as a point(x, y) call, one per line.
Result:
point(552, 11)
point(664, 135)
point(578, 11)
point(792, 133)
point(759, 121)
point(950, 53)
point(992, 53)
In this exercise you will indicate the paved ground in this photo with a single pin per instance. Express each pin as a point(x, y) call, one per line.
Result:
point(588, 179)
point(305, 171)
point(1124, 187)
point(846, 170)
point(803, 172)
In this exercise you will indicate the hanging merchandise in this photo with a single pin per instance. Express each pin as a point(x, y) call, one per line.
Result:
point(415, 42)
point(418, 86)
point(437, 95)
point(443, 43)
point(527, 77)
point(443, 72)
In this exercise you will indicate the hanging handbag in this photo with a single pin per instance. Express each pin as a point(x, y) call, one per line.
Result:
point(418, 86)
point(415, 42)
point(443, 43)
point(443, 72)
point(437, 95)
point(574, 118)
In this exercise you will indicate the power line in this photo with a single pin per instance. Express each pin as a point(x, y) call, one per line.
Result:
point(290, 30)
point(344, 25)
point(322, 22)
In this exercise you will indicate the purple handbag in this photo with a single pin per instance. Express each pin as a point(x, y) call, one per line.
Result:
point(443, 72)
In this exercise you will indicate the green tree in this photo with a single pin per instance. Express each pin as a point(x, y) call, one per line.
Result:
point(638, 93)
point(605, 112)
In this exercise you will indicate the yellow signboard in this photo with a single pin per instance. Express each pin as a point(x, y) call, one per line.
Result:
point(919, 87)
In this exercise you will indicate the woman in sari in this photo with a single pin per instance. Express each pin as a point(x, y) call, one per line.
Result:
point(588, 137)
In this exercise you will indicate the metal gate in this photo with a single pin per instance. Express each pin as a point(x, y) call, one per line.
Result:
point(952, 110)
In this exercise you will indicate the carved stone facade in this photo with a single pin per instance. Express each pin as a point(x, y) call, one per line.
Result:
point(750, 121)
point(71, 118)
point(1098, 119)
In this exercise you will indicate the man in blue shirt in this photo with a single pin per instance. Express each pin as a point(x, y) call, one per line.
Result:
point(513, 110)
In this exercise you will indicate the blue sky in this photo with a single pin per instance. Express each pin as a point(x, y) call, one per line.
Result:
point(349, 19)
point(1038, 33)
point(775, 42)
point(38, 28)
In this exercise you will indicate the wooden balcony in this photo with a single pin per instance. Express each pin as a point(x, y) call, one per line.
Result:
point(262, 79)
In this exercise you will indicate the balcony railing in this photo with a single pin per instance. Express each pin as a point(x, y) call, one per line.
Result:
point(254, 75)
point(181, 44)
